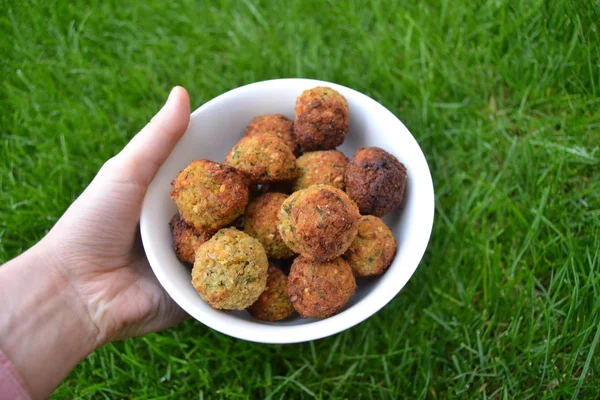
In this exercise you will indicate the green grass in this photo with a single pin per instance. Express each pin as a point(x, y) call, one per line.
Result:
point(503, 97)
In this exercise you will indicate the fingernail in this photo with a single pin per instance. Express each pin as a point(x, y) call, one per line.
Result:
point(171, 94)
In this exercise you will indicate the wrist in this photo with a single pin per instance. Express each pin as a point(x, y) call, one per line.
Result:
point(42, 322)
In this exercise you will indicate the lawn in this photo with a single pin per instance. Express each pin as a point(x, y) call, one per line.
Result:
point(502, 95)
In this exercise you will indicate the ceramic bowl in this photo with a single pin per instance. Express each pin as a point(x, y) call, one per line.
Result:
point(214, 128)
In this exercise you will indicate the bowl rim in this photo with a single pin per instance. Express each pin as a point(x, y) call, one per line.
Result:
point(258, 331)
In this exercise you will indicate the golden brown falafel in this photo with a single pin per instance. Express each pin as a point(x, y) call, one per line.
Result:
point(319, 222)
point(320, 289)
point(260, 222)
point(263, 158)
point(321, 167)
point(230, 270)
point(321, 121)
point(277, 124)
point(373, 249)
point(273, 304)
point(209, 195)
point(375, 180)
point(186, 239)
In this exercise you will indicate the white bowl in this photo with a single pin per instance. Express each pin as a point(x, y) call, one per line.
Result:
point(214, 128)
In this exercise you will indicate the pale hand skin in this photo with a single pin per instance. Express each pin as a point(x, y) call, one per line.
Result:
point(88, 281)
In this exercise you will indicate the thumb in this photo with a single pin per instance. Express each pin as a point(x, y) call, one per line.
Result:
point(144, 154)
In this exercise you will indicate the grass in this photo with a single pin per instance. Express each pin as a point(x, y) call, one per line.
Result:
point(503, 97)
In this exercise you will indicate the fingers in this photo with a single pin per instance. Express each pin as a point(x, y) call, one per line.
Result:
point(174, 315)
point(145, 153)
point(165, 315)
point(166, 312)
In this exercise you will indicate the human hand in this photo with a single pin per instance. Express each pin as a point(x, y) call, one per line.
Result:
point(97, 244)
point(88, 281)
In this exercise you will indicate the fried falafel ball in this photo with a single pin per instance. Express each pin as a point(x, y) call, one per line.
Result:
point(260, 222)
point(320, 289)
point(230, 270)
point(321, 121)
point(186, 239)
point(273, 304)
point(210, 195)
point(375, 180)
point(263, 158)
point(321, 167)
point(277, 124)
point(319, 222)
point(373, 249)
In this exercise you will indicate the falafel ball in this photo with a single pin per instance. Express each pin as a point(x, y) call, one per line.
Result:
point(186, 239)
point(273, 304)
point(375, 180)
point(321, 167)
point(230, 270)
point(321, 121)
point(260, 222)
point(209, 195)
point(263, 158)
point(277, 124)
point(319, 222)
point(320, 289)
point(373, 249)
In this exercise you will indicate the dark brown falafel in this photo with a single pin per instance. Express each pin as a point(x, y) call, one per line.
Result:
point(263, 158)
point(321, 167)
point(319, 222)
point(321, 121)
point(186, 239)
point(373, 249)
point(260, 222)
point(320, 289)
point(210, 195)
point(277, 124)
point(230, 270)
point(273, 304)
point(375, 180)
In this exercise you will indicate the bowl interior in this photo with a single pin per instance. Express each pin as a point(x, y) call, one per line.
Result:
point(214, 129)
